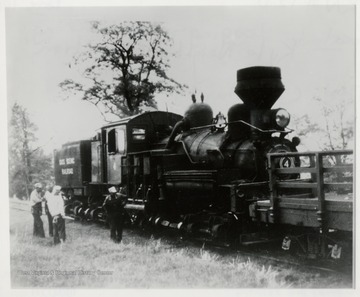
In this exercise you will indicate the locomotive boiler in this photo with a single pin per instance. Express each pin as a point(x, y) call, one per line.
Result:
point(219, 152)
point(203, 174)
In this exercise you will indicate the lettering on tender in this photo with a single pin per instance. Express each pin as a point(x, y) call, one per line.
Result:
point(66, 171)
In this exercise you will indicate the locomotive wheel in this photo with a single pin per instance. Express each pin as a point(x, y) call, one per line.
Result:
point(76, 210)
point(87, 214)
point(190, 228)
point(79, 211)
point(68, 209)
point(94, 214)
point(218, 232)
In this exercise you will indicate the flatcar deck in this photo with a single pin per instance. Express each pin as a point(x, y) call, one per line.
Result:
point(305, 212)
point(317, 202)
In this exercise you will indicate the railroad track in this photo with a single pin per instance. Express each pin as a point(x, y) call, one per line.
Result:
point(262, 252)
point(300, 262)
point(270, 253)
point(19, 205)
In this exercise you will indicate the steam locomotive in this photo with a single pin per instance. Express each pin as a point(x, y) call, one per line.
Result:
point(205, 175)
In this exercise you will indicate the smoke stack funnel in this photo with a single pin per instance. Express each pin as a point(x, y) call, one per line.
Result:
point(259, 87)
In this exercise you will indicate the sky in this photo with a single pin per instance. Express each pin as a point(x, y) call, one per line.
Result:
point(313, 45)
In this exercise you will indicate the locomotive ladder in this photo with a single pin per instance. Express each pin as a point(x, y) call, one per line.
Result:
point(307, 200)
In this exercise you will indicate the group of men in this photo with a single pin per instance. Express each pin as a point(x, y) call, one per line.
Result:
point(54, 208)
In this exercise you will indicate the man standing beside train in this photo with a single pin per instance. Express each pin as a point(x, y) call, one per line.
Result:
point(48, 190)
point(55, 204)
point(36, 200)
point(114, 206)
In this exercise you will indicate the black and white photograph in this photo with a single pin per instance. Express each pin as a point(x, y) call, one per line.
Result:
point(186, 146)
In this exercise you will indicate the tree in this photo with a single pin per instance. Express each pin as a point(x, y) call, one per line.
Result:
point(125, 69)
point(304, 126)
point(333, 128)
point(338, 129)
point(27, 164)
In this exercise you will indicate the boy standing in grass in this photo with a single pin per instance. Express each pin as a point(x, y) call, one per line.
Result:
point(55, 204)
point(36, 210)
point(114, 207)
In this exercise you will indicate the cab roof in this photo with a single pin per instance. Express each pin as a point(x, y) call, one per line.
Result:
point(138, 117)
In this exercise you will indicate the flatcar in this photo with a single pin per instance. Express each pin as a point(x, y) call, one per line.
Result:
point(236, 179)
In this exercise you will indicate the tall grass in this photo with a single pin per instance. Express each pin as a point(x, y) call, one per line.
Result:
point(89, 259)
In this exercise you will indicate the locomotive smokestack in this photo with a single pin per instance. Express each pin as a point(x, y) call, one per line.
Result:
point(259, 87)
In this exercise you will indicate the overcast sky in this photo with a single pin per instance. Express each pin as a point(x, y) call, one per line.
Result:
point(313, 45)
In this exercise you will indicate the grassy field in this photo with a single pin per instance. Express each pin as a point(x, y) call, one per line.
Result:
point(90, 260)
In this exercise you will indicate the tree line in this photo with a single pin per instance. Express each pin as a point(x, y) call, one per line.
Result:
point(28, 163)
point(122, 73)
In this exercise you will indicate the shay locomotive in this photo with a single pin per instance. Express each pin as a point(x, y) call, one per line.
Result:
point(235, 179)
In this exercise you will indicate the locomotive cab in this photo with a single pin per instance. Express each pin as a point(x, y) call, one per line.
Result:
point(132, 135)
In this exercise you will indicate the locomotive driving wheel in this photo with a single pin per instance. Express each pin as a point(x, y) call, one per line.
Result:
point(227, 231)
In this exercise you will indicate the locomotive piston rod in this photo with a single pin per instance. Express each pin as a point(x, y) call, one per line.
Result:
point(140, 207)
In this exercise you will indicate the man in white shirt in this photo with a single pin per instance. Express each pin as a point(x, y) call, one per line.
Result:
point(55, 204)
point(36, 210)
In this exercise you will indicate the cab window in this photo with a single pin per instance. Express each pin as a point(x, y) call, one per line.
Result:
point(112, 141)
point(116, 141)
point(120, 141)
point(138, 134)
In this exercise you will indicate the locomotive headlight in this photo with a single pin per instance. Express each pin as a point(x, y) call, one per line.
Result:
point(282, 118)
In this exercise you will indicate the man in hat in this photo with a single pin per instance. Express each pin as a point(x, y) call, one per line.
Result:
point(114, 206)
point(36, 209)
point(55, 204)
